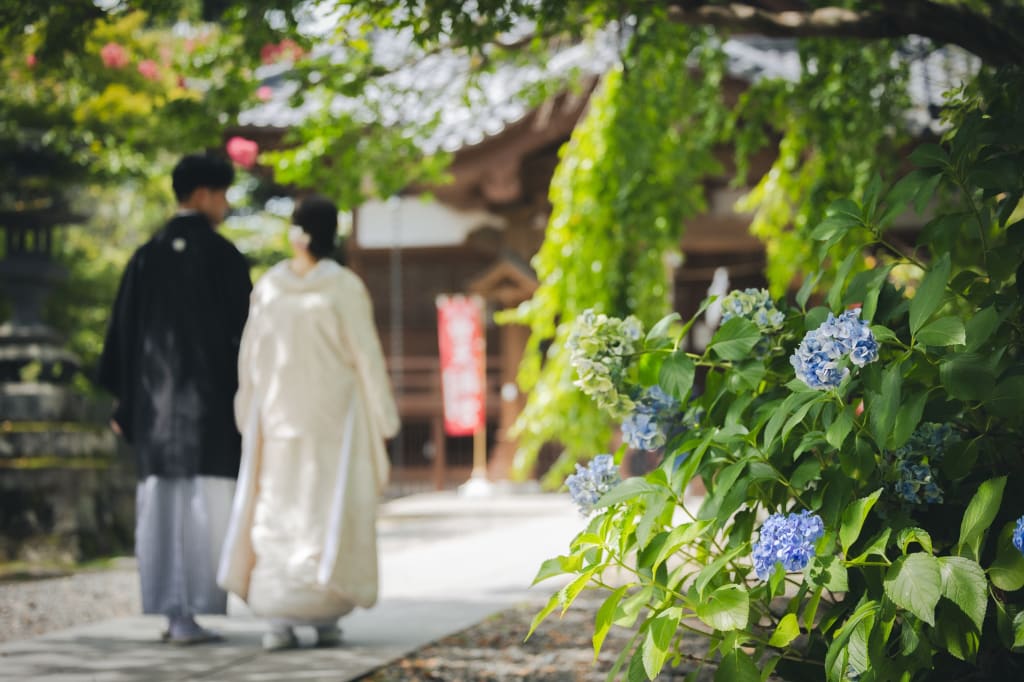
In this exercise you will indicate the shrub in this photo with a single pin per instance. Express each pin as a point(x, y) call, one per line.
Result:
point(861, 457)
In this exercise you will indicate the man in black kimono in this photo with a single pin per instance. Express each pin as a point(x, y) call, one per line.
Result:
point(171, 357)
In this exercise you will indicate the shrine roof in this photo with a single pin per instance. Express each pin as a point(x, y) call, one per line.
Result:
point(434, 86)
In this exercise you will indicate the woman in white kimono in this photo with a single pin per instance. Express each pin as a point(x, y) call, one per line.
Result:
point(314, 407)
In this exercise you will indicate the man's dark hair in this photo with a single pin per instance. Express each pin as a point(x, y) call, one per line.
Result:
point(201, 170)
point(318, 217)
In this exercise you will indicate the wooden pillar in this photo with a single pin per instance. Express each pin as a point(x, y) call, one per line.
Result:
point(513, 343)
point(440, 472)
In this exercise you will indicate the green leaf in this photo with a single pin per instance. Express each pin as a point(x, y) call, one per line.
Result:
point(835, 293)
point(1008, 206)
point(557, 566)
point(845, 209)
point(840, 428)
point(832, 226)
point(830, 573)
point(811, 609)
point(629, 489)
point(955, 632)
point(913, 534)
point(1018, 630)
point(882, 407)
point(737, 666)
point(722, 485)
point(930, 156)
point(815, 317)
point(631, 605)
point(945, 331)
point(964, 583)
point(883, 334)
point(680, 536)
point(967, 376)
point(782, 412)
point(837, 656)
point(636, 671)
point(980, 513)
point(1007, 570)
point(998, 173)
point(735, 339)
point(648, 367)
point(543, 613)
point(903, 192)
point(605, 616)
point(727, 608)
point(659, 636)
point(654, 506)
point(786, 631)
point(745, 377)
point(875, 547)
point(676, 376)
point(927, 193)
point(930, 294)
point(1007, 400)
point(569, 593)
point(806, 289)
point(872, 193)
point(661, 327)
point(914, 583)
point(907, 419)
point(798, 416)
point(709, 572)
point(853, 519)
point(864, 290)
point(809, 470)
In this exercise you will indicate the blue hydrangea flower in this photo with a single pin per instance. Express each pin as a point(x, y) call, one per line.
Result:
point(755, 305)
point(818, 359)
point(787, 539)
point(1018, 535)
point(646, 428)
point(641, 431)
point(914, 473)
point(589, 483)
point(658, 400)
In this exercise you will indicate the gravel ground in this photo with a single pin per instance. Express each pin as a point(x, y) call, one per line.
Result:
point(491, 651)
point(559, 651)
point(29, 608)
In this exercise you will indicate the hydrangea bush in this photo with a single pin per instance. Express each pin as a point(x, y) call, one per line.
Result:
point(862, 517)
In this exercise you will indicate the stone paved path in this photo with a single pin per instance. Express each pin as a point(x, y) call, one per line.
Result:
point(447, 562)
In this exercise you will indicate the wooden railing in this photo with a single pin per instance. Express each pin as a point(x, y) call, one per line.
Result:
point(417, 385)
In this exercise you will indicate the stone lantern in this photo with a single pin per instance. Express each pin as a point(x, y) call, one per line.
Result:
point(65, 494)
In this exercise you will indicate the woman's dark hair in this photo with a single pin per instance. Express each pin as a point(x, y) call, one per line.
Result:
point(200, 170)
point(318, 217)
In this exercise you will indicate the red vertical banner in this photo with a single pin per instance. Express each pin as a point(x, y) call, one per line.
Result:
point(461, 342)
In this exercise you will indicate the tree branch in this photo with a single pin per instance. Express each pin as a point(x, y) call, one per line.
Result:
point(993, 43)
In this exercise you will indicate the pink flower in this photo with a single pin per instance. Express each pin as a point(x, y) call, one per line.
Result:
point(270, 53)
point(243, 151)
point(149, 69)
point(189, 45)
point(289, 48)
point(114, 56)
point(286, 49)
point(31, 61)
point(264, 92)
